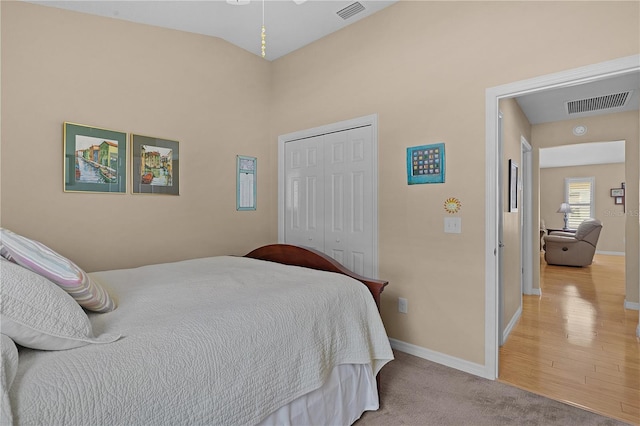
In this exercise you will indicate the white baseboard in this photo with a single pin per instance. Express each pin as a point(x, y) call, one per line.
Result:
point(467, 366)
point(632, 305)
point(512, 323)
point(534, 292)
point(611, 253)
point(440, 358)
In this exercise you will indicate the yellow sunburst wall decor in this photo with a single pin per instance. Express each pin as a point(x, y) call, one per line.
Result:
point(452, 205)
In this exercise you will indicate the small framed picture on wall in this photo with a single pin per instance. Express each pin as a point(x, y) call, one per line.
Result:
point(94, 159)
point(426, 164)
point(246, 188)
point(155, 165)
point(513, 186)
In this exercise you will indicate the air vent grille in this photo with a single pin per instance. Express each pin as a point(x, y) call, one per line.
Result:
point(598, 103)
point(350, 10)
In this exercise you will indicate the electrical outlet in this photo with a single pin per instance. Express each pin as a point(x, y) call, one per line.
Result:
point(403, 305)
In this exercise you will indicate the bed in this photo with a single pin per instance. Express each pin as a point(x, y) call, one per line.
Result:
point(283, 335)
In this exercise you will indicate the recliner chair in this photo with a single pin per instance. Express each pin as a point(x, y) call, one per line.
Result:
point(543, 232)
point(565, 248)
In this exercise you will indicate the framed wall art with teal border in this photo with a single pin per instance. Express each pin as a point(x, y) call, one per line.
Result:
point(246, 185)
point(95, 159)
point(155, 165)
point(426, 164)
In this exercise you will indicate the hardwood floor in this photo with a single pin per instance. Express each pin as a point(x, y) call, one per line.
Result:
point(576, 343)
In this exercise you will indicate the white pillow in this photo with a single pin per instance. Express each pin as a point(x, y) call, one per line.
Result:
point(38, 314)
point(50, 264)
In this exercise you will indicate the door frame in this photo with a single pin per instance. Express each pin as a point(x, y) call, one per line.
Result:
point(500, 224)
point(492, 97)
point(527, 219)
point(367, 120)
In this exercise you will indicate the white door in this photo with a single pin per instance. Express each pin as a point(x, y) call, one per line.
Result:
point(330, 196)
point(348, 204)
point(304, 212)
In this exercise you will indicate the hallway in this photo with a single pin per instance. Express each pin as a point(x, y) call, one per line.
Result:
point(576, 343)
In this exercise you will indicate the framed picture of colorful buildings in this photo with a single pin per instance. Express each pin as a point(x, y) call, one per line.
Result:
point(155, 165)
point(94, 159)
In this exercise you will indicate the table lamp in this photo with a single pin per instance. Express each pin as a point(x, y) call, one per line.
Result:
point(566, 209)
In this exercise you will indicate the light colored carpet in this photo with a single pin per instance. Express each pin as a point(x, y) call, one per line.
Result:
point(418, 392)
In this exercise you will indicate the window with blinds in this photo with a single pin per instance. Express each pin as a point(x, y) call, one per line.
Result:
point(579, 194)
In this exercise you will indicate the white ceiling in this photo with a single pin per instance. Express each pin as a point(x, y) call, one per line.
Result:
point(582, 154)
point(290, 26)
point(551, 105)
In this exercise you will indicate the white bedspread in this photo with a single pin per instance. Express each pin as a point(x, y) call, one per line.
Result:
point(216, 341)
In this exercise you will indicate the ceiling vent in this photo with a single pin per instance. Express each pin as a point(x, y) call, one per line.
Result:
point(350, 10)
point(598, 103)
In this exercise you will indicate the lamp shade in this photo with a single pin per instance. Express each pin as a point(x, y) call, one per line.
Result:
point(564, 208)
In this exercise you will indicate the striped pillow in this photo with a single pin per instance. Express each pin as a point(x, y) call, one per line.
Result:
point(41, 259)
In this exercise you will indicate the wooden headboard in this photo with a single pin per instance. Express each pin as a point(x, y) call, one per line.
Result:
point(310, 258)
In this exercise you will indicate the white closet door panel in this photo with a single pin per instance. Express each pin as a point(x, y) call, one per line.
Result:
point(294, 205)
point(349, 202)
point(358, 202)
point(304, 192)
point(311, 209)
point(359, 143)
point(329, 196)
point(359, 163)
point(358, 260)
point(336, 203)
point(337, 255)
point(335, 144)
point(336, 240)
point(327, 191)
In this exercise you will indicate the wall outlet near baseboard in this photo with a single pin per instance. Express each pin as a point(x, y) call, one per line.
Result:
point(403, 305)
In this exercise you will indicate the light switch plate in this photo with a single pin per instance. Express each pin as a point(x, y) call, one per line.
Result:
point(453, 225)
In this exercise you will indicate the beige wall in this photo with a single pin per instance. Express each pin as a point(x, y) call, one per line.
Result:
point(515, 127)
point(207, 94)
point(610, 127)
point(422, 66)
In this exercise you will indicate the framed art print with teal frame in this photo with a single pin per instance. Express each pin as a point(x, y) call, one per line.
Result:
point(246, 185)
point(155, 164)
point(426, 164)
point(94, 159)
